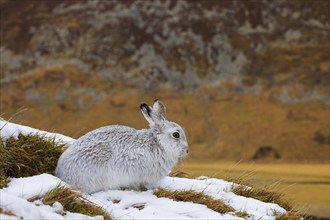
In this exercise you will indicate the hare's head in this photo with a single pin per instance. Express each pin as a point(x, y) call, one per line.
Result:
point(170, 134)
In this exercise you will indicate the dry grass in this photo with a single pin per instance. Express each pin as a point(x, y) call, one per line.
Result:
point(179, 174)
point(303, 185)
point(291, 215)
point(243, 171)
point(73, 201)
point(263, 194)
point(60, 194)
point(195, 197)
point(3, 181)
point(138, 206)
point(270, 195)
point(28, 155)
point(5, 212)
point(212, 134)
point(242, 214)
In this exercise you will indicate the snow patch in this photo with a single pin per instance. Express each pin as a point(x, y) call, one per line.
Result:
point(8, 129)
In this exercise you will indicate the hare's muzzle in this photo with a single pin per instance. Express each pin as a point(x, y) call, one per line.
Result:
point(184, 151)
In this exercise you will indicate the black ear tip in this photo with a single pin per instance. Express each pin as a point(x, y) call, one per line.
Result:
point(143, 105)
point(156, 100)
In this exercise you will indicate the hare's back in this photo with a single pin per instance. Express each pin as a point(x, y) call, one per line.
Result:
point(108, 135)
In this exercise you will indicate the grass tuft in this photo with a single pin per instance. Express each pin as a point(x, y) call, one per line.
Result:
point(28, 155)
point(3, 179)
point(291, 215)
point(73, 201)
point(139, 206)
point(5, 212)
point(263, 194)
point(242, 214)
point(179, 174)
point(60, 194)
point(195, 197)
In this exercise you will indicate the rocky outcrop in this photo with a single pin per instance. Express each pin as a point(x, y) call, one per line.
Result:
point(254, 45)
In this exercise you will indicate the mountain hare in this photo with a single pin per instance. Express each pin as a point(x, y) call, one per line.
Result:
point(120, 157)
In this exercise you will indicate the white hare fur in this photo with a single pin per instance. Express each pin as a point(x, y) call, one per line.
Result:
point(120, 157)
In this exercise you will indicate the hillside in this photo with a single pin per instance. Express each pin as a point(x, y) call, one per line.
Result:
point(176, 44)
point(218, 126)
point(247, 79)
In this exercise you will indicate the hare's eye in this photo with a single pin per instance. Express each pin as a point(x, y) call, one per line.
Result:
point(176, 134)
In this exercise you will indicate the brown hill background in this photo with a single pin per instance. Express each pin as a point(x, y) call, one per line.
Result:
point(247, 79)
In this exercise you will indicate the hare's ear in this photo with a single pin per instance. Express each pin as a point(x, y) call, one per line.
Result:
point(159, 110)
point(147, 113)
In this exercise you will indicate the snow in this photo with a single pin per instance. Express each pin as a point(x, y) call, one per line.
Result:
point(31, 210)
point(154, 207)
point(129, 204)
point(220, 189)
point(32, 186)
point(8, 129)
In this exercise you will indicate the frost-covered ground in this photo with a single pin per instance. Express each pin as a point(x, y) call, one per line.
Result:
point(14, 197)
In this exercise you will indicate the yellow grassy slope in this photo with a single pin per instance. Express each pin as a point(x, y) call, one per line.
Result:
point(218, 126)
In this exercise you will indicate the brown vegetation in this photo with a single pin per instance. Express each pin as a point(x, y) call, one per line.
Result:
point(218, 126)
point(291, 215)
point(195, 197)
point(263, 194)
point(73, 201)
point(28, 155)
point(5, 212)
